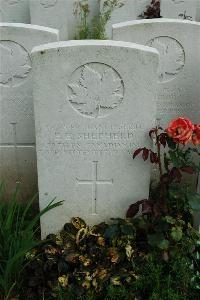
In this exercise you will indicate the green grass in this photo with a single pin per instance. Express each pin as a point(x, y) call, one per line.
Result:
point(17, 237)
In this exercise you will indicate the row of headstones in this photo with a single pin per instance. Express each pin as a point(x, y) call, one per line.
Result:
point(94, 104)
point(65, 15)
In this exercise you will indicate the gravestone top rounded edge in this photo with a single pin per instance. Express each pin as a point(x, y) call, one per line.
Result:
point(29, 26)
point(78, 43)
point(154, 21)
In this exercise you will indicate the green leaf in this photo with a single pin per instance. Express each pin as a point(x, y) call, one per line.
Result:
point(170, 220)
point(112, 231)
point(175, 159)
point(171, 144)
point(176, 233)
point(194, 200)
point(161, 225)
point(164, 244)
point(127, 229)
point(158, 240)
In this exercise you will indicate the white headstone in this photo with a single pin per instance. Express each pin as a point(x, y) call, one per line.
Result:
point(126, 10)
point(178, 43)
point(18, 164)
point(17, 134)
point(14, 11)
point(93, 108)
point(179, 9)
point(63, 15)
point(198, 11)
point(51, 13)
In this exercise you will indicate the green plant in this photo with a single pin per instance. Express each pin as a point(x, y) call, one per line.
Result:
point(117, 292)
point(17, 236)
point(82, 10)
point(171, 196)
point(128, 259)
point(196, 267)
point(97, 30)
point(99, 25)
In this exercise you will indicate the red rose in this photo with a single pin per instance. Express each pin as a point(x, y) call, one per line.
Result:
point(196, 135)
point(180, 130)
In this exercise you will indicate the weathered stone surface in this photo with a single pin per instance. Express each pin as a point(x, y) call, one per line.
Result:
point(51, 13)
point(180, 9)
point(123, 13)
point(179, 73)
point(63, 15)
point(92, 108)
point(198, 11)
point(16, 104)
point(126, 10)
point(18, 165)
point(14, 11)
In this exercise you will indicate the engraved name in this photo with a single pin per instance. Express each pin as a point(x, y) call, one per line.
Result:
point(87, 141)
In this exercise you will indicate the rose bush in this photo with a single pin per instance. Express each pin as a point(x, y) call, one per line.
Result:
point(177, 160)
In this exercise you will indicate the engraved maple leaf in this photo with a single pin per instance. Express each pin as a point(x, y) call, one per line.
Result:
point(13, 63)
point(95, 92)
point(171, 58)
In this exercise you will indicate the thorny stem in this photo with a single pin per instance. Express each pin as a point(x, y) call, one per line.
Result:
point(162, 185)
point(159, 154)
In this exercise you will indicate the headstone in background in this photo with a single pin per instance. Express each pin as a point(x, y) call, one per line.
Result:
point(17, 134)
point(63, 15)
point(14, 11)
point(178, 43)
point(126, 10)
point(51, 13)
point(180, 9)
point(198, 11)
point(93, 108)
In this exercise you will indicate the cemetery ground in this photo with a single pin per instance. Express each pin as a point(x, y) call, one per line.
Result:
point(151, 255)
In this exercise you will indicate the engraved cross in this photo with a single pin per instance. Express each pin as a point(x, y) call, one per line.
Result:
point(16, 147)
point(94, 181)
